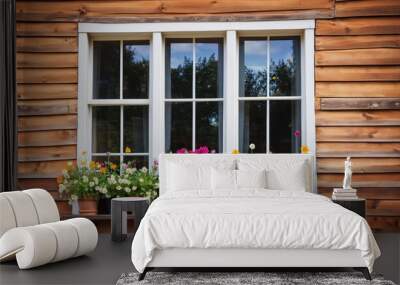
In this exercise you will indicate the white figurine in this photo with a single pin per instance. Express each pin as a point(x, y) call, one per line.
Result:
point(347, 174)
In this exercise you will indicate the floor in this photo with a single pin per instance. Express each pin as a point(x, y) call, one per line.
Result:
point(110, 260)
point(104, 266)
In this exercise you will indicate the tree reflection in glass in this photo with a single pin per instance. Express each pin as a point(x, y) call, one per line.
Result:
point(136, 70)
point(106, 129)
point(284, 67)
point(106, 69)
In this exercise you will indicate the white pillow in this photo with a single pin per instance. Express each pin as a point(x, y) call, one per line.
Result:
point(251, 178)
point(181, 177)
point(223, 179)
point(282, 173)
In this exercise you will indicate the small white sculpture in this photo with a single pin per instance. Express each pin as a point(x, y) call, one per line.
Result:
point(347, 174)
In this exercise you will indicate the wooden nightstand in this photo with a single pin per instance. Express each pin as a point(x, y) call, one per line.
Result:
point(357, 205)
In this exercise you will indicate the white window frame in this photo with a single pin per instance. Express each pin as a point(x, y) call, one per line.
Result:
point(230, 31)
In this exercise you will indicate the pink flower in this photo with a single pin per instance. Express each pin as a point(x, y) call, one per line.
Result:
point(296, 133)
point(182, 151)
point(202, 149)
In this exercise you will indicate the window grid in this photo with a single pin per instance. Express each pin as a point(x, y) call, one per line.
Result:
point(193, 99)
point(121, 102)
point(268, 98)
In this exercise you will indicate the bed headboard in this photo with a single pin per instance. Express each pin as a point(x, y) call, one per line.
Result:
point(212, 159)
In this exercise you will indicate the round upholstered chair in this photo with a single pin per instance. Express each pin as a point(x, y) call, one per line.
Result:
point(31, 231)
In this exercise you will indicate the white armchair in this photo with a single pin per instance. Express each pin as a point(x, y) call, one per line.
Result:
point(31, 230)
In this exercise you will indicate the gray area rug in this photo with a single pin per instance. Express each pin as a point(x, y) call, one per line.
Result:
point(236, 278)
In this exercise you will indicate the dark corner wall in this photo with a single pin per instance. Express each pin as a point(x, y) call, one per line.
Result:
point(8, 125)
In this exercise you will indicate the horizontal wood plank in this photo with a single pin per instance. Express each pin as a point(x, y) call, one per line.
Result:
point(369, 193)
point(47, 138)
point(360, 103)
point(47, 29)
point(47, 169)
point(358, 134)
point(354, 57)
point(49, 184)
point(355, 149)
point(381, 73)
point(361, 180)
point(357, 89)
point(43, 123)
point(43, 60)
point(356, 42)
point(46, 91)
point(359, 165)
point(47, 107)
point(48, 75)
point(359, 26)
point(46, 153)
point(47, 44)
point(367, 8)
point(357, 118)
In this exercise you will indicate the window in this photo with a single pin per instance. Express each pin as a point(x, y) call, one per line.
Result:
point(193, 94)
point(270, 94)
point(120, 105)
point(151, 88)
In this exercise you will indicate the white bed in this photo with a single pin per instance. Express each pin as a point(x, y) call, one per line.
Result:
point(226, 226)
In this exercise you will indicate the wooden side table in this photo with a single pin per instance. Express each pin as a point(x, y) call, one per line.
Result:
point(357, 205)
point(119, 212)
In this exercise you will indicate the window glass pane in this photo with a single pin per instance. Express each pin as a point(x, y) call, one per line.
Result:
point(209, 125)
point(252, 126)
point(137, 161)
point(179, 69)
point(285, 126)
point(209, 78)
point(136, 129)
point(136, 70)
point(178, 126)
point(106, 70)
point(285, 67)
point(253, 67)
point(106, 129)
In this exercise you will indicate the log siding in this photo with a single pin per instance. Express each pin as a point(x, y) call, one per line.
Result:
point(357, 84)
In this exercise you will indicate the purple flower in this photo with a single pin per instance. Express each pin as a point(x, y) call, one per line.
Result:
point(202, 149)
point(296, 133)
point(182, 151)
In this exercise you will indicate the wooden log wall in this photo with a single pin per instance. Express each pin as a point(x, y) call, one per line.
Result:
point(357, 72)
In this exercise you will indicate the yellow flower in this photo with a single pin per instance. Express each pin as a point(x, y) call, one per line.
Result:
point(305, 149)
point(103, 170)
point(235, 151)
point(92, 164)
point(128, 149)
point(98, 165)
point(113, 166)
point(273, 77)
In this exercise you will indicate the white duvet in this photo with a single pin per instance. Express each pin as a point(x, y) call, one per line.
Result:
point(254, 218)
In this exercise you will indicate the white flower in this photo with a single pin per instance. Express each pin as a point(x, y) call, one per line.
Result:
point(85, 178)
point(74, 197)
point(144, 169)
point(156, 186)
point(61, 188)
point(98, 188)
point(252, 146)
point(91, 183)
point(134, 188)
point(130, 171)
point(134, 169)
point(141, 180)
point(119, 187)
point(127, 189)
point(96, 180)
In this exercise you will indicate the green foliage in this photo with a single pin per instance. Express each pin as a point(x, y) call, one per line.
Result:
point(93, 180)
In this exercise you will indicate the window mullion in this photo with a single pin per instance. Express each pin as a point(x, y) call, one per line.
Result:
point(121, 135)
point(268, 95)
point(194, 95)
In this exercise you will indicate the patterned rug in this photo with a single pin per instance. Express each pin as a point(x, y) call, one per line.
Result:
point(244, 278)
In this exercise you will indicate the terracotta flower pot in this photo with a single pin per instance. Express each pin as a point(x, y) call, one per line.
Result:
point(88, 206)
